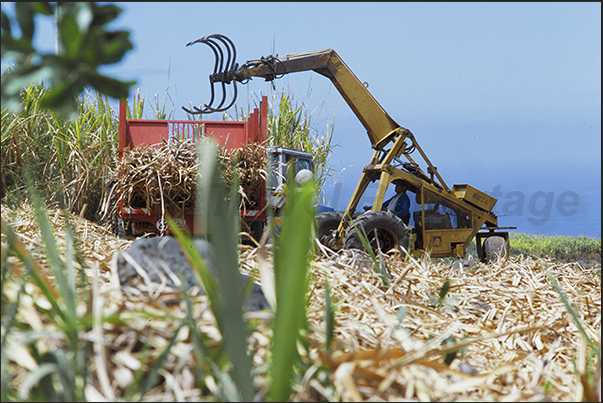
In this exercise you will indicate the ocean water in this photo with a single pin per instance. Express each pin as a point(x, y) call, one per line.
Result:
point(547, 203)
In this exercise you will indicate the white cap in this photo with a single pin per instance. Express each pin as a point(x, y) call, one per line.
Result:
point(303, 176)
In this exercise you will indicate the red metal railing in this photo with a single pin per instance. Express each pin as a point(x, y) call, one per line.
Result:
point(134, 132)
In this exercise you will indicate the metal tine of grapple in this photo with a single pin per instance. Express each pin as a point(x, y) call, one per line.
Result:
point(217, 67)
point(219, 75)
point(223, 72)
point(228, 44)
point(232, 52)
point(225, 67)
point(227, 74)
point(234, 97)
point(232, 67)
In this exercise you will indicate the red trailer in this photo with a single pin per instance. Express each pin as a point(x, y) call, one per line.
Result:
point(136, 221)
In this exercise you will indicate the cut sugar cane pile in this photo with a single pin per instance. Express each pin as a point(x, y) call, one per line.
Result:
point(250, 162)
point(156, 177)
point(514, 337)
point(164, 177)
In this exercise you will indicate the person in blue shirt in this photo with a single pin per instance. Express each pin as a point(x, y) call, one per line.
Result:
point(398, 203)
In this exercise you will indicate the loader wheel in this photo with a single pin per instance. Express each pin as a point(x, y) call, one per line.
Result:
point(326, 225)
point(495, 247)
point(383, 229)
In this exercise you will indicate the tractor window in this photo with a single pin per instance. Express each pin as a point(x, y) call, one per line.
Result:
point(275, 178)
point(442, 214)
point(303, 164)
point(280, 162)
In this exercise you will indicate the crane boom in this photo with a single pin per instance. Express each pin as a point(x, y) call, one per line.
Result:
point(381, 128)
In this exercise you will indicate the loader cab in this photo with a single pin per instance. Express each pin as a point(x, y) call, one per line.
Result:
point(278, 161)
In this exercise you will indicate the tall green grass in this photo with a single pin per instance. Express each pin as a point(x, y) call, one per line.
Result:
point(68, 161)
point(292, 254)
point(163, 109)
point(558, 247)
point(290, 126)
point(564, 248)
point(62, 373)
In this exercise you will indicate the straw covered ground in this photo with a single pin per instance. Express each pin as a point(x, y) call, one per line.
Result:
point(514, 338)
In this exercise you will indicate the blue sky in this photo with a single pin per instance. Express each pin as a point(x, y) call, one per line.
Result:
point(501, 96)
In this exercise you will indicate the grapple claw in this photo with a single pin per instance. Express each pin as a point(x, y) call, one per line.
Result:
point(224, 72)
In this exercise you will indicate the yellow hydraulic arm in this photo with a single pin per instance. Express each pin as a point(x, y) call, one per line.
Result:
point(381, 128)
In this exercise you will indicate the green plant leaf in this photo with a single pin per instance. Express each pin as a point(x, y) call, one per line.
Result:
point(444, 290)
point(110, 86)
point(291, 260)
point(70, 36)
point(86, 44)
point(197, 340)
point(378, 264)
point(25, 17)
point(56, 263)
point(152, 374)
point(29, 264)
point(34, 377)
point(569, 307)
point(109, 48)
point(42, 7)
point(218, 210)
point(329, 317)
point(450, 356)
point(401, 313)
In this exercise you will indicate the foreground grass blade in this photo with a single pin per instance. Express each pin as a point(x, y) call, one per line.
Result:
point(572, 311)
point(66, 287)
point(329, 317)
point(70, 372)
point(291, 262)
point(219, 211)
point(207, 281)
point(197, 340)
point(33, 269)
point(153, 374)
point(378, 265)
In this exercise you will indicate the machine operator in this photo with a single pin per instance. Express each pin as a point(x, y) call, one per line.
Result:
point(399, 204)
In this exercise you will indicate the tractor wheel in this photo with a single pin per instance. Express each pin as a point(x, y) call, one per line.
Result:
point(326, 225)
point(495, 247)
point(383, 230)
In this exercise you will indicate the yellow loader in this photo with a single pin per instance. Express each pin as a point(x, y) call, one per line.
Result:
point(447, 219)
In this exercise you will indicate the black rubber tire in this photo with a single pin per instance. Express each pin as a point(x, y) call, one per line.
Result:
point(326, 224)
point(495, 247)
point(391, 230)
